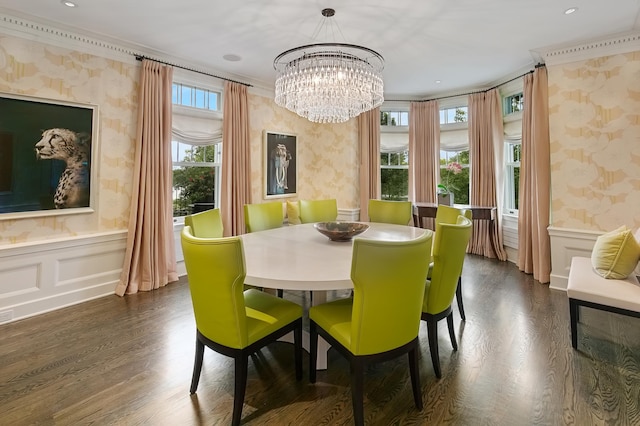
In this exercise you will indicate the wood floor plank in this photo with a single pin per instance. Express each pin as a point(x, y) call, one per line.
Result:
point(128, 361)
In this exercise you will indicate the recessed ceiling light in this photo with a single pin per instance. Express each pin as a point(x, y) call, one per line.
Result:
point(570, 10)
point(438, 82)
point(231, 57)
point(69, 3)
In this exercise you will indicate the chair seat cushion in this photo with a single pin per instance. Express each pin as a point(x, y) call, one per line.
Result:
point(267, 313)
point(335, 318)
point(585, 284)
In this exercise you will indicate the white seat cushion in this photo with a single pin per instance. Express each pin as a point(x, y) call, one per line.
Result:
point(585, 284)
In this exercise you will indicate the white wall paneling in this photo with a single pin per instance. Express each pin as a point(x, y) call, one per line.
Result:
point(48, 275)
point(565, 244)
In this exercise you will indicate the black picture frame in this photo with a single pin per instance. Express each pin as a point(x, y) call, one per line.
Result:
point(280, 164)
point(48, 157)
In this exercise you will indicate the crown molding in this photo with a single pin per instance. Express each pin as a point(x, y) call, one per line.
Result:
point(102, 46)
point(613, 45)
point(60, 37)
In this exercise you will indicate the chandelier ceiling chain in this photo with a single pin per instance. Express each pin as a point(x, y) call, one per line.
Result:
point(329, 82)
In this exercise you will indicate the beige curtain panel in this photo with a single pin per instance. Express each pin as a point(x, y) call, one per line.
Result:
point(424, 151)
point(369, 136)
point(534, 253)
point(150, 261)
point(236, 159)
point(485, 133)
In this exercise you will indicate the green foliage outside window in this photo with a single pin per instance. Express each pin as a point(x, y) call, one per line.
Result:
point(458, 183)
point(394, 176)
point(394, 184)
point(194, 184)
point(384, 119)
point(461, 116)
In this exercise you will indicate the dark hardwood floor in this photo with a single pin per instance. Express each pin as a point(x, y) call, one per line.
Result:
point(128, 361)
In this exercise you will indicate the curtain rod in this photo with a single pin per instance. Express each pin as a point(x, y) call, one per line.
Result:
point(141, 57)
point(469, 93)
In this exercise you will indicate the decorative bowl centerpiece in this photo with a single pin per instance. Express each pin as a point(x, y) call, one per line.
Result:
point(341, 231)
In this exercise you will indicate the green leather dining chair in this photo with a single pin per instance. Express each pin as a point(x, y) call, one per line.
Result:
point(449, 250)
point(206, 224)
point(259, 217)
point(448, 214)
point(396, 212)
point(231, 321)
point(318, 210)
point(382, 320)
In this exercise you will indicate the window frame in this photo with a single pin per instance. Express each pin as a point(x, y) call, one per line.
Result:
point(187, 79)
point(511, 193)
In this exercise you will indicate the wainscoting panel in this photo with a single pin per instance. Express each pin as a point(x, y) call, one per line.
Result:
point(565, 244)
point(48, 275)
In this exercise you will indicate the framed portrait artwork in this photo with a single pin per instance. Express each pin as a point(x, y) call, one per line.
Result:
point(47, 157)
point(280, 164)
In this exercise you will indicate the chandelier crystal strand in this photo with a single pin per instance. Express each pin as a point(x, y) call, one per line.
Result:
point(329, 82)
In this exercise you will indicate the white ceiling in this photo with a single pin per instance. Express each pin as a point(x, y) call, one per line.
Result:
point(466, 44)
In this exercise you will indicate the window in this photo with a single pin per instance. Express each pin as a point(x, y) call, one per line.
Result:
point(454, 148)
point(394, 118)
point(513, 103)
point(195, 97)
point(196, 149)
point(394, 155)
point(196, 177)
point(512, 177)
point(394, 176)
point(455, 178)
point(457, 114)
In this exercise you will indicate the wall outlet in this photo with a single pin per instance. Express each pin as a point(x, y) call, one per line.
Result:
point(6, 316)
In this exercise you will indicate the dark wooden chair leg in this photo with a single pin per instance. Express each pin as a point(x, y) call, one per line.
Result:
point(452, 334)
point(574, 315)
point(459, 299)
point(197, 366)
point(313, 351)
point(242, 363)
point(414, 371)
point(357, 391)
point(432, 332)
point(297, 343)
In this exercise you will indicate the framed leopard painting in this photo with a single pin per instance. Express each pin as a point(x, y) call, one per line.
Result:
point(47, 151)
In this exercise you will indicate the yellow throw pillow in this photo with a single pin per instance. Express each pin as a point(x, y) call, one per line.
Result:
point(615, 254)
point(293, 212)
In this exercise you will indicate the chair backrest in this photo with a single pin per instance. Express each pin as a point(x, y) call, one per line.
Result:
point(216, 272)
point(398, 212)
point(258, 217)
point(389, 281)
point(206, 224)
point(448, 214)
point(318, 210)
point(449, 251)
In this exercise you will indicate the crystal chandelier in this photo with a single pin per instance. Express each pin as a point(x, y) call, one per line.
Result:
point(329, 82)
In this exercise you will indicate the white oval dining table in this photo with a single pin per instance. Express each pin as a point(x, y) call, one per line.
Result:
point(298, 257)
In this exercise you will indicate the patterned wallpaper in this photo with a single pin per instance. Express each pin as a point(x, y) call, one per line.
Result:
point(594, 125)
point(594, 119)
point(327, 153)
point(44, 71)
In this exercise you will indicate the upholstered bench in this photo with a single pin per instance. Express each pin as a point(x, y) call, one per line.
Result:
point(587, 288)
